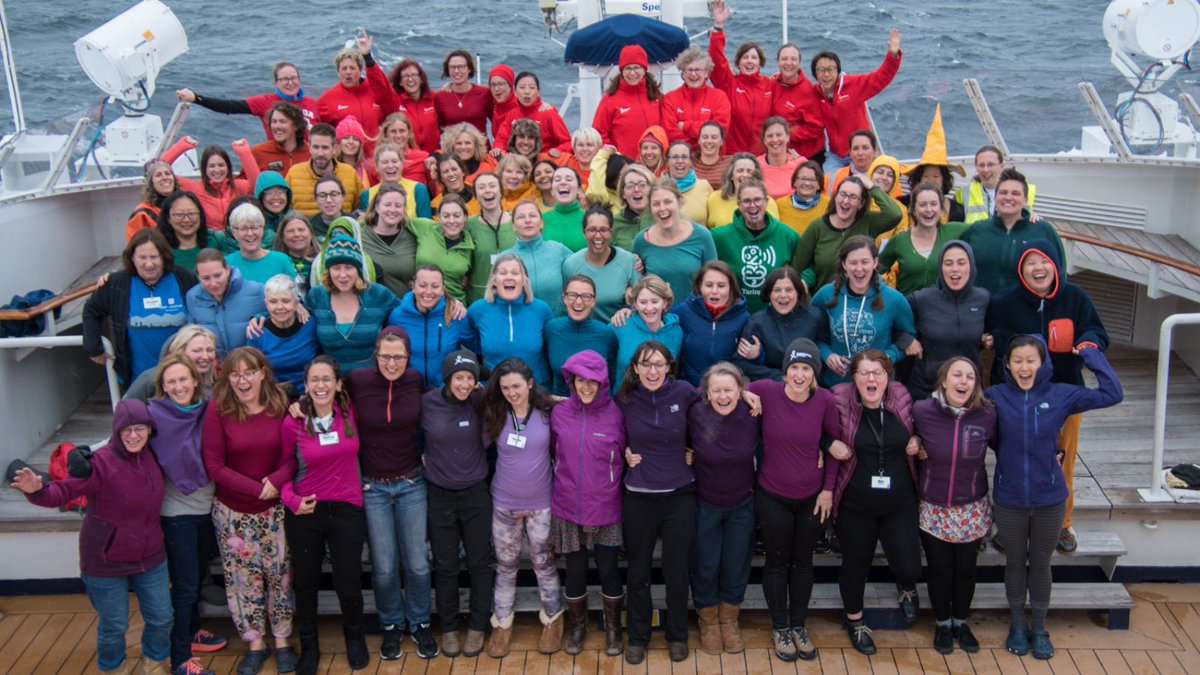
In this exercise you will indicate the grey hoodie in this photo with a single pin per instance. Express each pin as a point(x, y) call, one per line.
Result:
point(949, 323)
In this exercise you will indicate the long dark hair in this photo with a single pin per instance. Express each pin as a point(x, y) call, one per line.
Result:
point(653, 89)
point(863, 205)
point(858, 241)
point(496, 407)
point(210, 152)
point(630, 381)
point(341, 399)
point(168, 230)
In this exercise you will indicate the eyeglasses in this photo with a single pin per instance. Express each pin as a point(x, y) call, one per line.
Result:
point(572, 297)
point(138, 429)
point(287, 79)
point(243, 375)
point(322, 196)
point(248, 228)
point(653, 365)
point(826, 69)
point(871, 374)
point(678, 158)
point(806, 179)
point(462, 66)
point(694, 71)
point(392, 358)
point(321, 380)
point(185, 215)
point(638, 185)
point(410, 76)
point(597, 231)
point(751, 201)
point(847, 197)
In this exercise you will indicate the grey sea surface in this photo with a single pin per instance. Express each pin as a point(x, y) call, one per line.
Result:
point(1027, 56)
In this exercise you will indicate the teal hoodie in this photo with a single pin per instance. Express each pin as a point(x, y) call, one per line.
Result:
point(754, 255)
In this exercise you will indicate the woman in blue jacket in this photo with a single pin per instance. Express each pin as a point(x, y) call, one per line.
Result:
point(712, 318)
point(863, 312)
point(511, 321)
point(433, 328)
point(648, 318)
point(1030, 490)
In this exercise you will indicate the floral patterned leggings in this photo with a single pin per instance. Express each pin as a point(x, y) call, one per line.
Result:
point(507, 527)
point(258, 573)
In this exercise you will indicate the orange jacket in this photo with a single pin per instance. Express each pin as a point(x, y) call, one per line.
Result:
point(216, 203)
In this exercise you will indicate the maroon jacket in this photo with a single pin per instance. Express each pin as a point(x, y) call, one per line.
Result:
point(896, 401)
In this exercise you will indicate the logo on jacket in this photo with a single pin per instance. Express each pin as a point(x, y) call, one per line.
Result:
point(623, 110)
point(674, 408)
point(1044, 405)
point(757, 263)
point(343, 107)
point(705, 111)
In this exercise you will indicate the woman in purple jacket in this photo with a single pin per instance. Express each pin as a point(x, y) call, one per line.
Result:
point(723, 437)
point(955, 426)
point(589, 442)
point(121, 541)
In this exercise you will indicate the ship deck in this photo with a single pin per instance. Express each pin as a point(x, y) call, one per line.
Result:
point(49, 635)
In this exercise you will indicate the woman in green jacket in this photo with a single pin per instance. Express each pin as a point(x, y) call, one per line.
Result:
point(446, 244)
point(849, 214)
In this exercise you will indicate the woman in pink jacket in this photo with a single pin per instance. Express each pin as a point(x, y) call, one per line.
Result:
point(217, 186)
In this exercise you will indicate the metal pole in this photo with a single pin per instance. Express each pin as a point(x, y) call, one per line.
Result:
point(114, 388)
point(785, 22)
point(10, 74)
point(1155, 493)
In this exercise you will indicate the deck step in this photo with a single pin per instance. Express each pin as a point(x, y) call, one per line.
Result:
point(879, 601)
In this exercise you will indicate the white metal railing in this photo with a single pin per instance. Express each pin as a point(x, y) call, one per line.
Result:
point(1156, 493)
point(114, 390)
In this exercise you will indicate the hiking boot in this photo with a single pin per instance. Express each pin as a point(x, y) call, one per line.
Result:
point(613, 644)
point(678, 651)
point(785, 649)
point(427, 647)
point(392, 640)
point(1066, 544)
point(943, 639)
point(191, 667)
point(206, 642)
point(966, 639)
point(576, 624)
point(731, 633)
point(474, 644)
point(635, 654)
point(710, 630)
point(357, 654)
point(552, 632)
point(498, 645)
point(860, 636)
point(805, 649)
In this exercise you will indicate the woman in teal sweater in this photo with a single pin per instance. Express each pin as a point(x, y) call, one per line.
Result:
point(849, 214)
point(349, 310)
point(916, 251)
point(543, 259)
point(863, 312)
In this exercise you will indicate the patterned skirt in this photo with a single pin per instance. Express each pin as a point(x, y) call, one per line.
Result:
point(957, 524)
point(568, 537)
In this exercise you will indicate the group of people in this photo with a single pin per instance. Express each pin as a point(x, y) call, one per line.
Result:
point(589, 342)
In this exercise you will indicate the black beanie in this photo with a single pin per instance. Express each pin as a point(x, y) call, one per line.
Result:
point(463, 359)
point(803, 350)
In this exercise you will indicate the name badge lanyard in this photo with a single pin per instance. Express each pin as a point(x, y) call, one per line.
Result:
point(878, 434)
point(516, 438)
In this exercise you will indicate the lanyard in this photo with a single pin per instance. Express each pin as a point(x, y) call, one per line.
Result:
point(877, 433)
point(519, 426)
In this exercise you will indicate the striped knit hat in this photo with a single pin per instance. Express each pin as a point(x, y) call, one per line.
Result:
point(343, 250)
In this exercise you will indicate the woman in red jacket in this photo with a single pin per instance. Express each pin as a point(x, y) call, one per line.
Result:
point(687, 108)
point(217, 187)
point(406, 89)
point(750, 92)
point(630, 105)
point(796, 101)
point(555, 137)
point(352, 95)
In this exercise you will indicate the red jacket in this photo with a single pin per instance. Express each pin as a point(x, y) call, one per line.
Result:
point(623, 117)
point(259, 105)
point(215, 205)
point(750, 98)
point(271, 156)
point(693, 107)
point(554, 130)
point(339, 101)
point(502, 111)
point(474, 107)
point(800, 105)
point(846, 111)
point(421, 113)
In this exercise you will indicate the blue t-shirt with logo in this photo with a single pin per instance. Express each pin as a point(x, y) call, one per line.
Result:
point(155, 314)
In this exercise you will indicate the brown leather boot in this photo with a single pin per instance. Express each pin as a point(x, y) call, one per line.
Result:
point(731, 634)
point(576, 628)
point(498, 645)
point(613, 645)
point(552, 632)
point(710, 630)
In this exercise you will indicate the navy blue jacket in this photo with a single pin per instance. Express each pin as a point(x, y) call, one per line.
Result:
point(707, 340)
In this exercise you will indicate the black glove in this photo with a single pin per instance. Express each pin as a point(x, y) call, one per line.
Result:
point(16, 465)
point(79, 462)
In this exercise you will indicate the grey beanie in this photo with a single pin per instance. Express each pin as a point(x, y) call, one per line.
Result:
point(803, 350)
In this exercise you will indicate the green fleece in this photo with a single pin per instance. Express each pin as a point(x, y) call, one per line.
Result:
point(754, 255)
point(998, 249)
point(454, 262)
point(489, 241)
point(917, 271)
point(820, 242)
point(564, 224)
point(627, 226)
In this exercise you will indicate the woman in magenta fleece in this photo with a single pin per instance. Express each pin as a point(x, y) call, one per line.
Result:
point(323, 494)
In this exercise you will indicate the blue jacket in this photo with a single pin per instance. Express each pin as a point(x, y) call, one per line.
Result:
point(354, 349)
point(854, 325)
point(430, 337)
point(288, 355)
point(227, 319)
point(1028, 474)
point(634, 333)
point(566, 337)
point(544, 263)
point(502, 329)
point(707, 340)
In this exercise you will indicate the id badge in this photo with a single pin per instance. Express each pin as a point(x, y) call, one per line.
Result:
point(152, 303)
point(329, 438)
point(516, 440)
point(881, 482)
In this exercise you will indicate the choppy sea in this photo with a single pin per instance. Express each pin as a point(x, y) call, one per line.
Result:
point(1027, 56)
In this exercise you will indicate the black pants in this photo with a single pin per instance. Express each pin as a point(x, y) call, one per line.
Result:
point(462, 516)
point(858, 532)
point(951, 577)
point(645, 517)
point(1028, 537)
point(789, 532)
point(343, 527)
point(606, 567)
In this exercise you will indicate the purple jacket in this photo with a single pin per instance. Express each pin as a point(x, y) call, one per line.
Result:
point(120, 534)
point(954, 474)
point(656, 429)
point(896, 401)
point(589, 450)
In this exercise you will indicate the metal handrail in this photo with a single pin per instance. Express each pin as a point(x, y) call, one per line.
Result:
point(1144, 255)
point(114, 389)
point(47, 306)
point(1155, 492)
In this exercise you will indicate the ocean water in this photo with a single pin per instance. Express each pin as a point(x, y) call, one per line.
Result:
point(1027, 56)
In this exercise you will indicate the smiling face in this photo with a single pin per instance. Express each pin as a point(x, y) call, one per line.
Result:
point(390, 208)
point(487, 191)
point(349, 73)
point(633, 75)
point(580, 300)
point(214, 278)
point(775, 138)
point(750, 63)
point(871, 380)
point(527, 91)
point(784, 296)
point(282, 308)
point(543, 176)
point(321, 385)
point(585, 149)
point(464, 147)
point(652, 369)
point(956, 269)
point(389, 165)
point(565, 186)
point(148, 263)
point(859, 267)
point(297, 236)
point(960, 383)
point(665, 207)
point(343, 276)
point(723, 393)
point(710, 140)
point(636, 192)
point(203, 353)
point(988, 166)
point(216, 170)
point(586, 389)
point(525, 145)
point(410, 81)
point(752, 203)
point(453, 219)
point(392, 359)
point(931, 174)
point(428, 289)
point(513, 177)
point(249, 236)
point(329, 199)
point(714, 288)
point(743, 169)
point(1023, 364)
point(598, 231)
point(516, 389)
point(163, 180)
point(451, 175)
point(1038, 273)
point(927, 208)
point(806, 185)
point(800, 377)
point(694, 74)
point(246, 381)
point(179, 385)
point(350, 146)
point(788, 62)
point(287, 79)
point(649, 305)
point(500, 89)
point(462, 384)
point(884, 177)
point(650, 154)
point(848, 200)
point(679, 161)
point(134, 437)
point(398, 133)
point(459, 69)
point(320, 151)
point(527, 221)
point(827, 73)
point(508, 280)
point(1010, 199)
point(862, 153)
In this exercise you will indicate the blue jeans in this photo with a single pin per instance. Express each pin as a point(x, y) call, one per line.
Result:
point(110, 598)
point(396, 521)
point(190, 541)
point(724, 546)
point(834, 161)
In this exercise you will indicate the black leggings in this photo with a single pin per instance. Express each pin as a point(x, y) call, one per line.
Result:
point(606, 567)
point(789, 532)
point(859, 531)
point(343, 528)
point(1028, 537)
point(951, 577)
point(647, 517)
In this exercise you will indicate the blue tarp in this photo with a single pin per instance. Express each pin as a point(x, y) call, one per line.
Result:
point(600, 43)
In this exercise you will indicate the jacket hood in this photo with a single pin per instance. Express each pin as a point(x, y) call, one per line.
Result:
point(657, 134)
point(270, 179)
point(128, 413)
point(891, 163)
point(941, 282)
point(1047, 250)
point(1044, 373)
point(590, 366)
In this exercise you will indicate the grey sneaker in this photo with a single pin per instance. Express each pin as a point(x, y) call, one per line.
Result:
point(785, 649)
point(804, 648)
